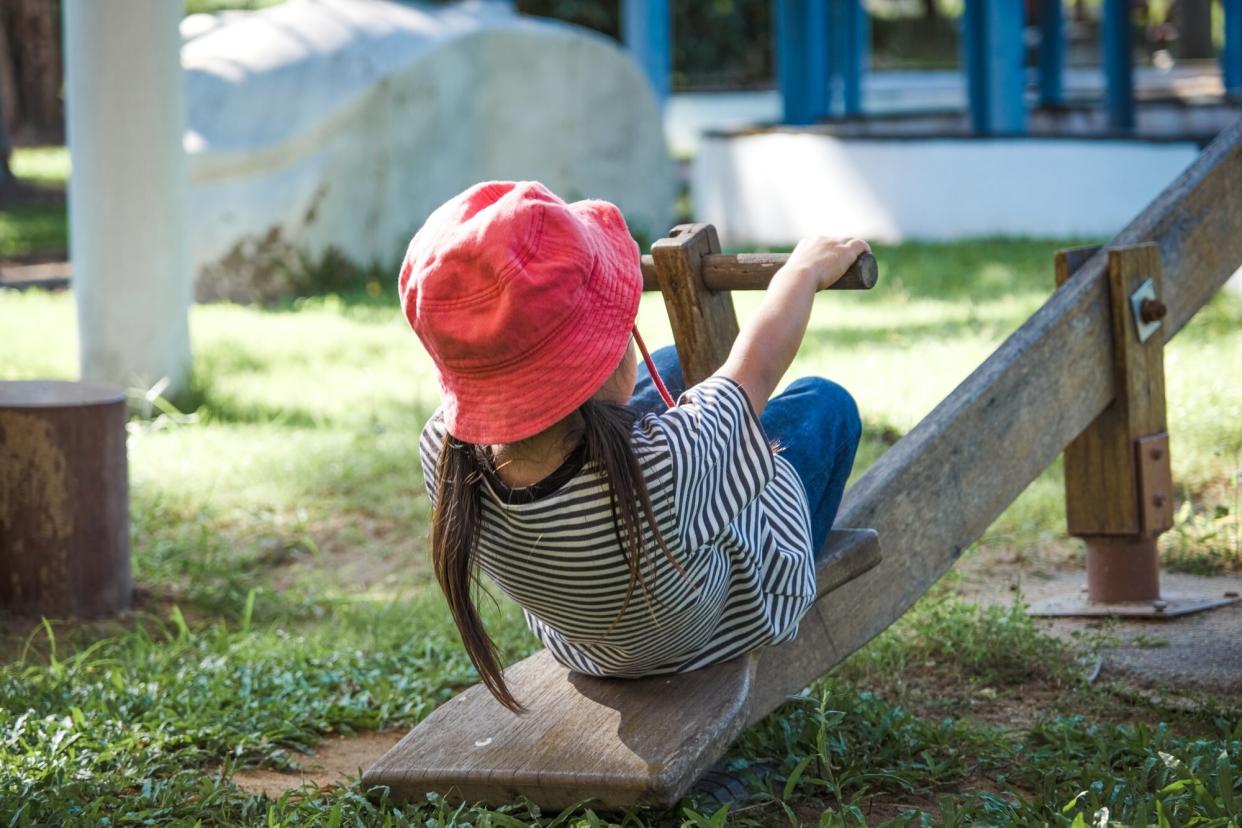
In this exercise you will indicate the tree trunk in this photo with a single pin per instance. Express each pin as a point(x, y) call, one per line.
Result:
point(930, 12)
point(6, 172)
point(31, 70)
point(1194, 26)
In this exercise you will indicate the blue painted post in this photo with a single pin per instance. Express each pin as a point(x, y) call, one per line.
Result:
point(851, 50)
point(646, 28)
point(1231, 55)
point(1007, 65)
point(802, 58)
point(820, 55)
point(1051, 52)
point(1117, 53)
point(973, 27)
point(994, 58)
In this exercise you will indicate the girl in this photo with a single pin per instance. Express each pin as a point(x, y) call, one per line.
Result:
point(639, 536)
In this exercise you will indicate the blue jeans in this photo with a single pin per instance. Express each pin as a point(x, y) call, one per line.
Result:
point(815, 422)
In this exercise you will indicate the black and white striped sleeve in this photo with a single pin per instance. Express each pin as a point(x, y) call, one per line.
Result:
point(720, 457)
point(429, 444)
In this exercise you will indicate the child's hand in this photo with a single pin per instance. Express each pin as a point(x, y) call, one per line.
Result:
point(826, 259)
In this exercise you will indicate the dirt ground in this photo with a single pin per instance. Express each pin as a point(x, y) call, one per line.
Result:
point(1172, 661)
point(337, 761)
point(1167, 657)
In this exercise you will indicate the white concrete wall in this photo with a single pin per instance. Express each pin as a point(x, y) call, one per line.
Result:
point(343, 123)
point(775, 187)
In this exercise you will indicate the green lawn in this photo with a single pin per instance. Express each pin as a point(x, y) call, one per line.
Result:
point(279, 552)
point(37, 226)
point(48, 166)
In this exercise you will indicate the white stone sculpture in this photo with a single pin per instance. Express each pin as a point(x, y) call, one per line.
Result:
point(338, 125)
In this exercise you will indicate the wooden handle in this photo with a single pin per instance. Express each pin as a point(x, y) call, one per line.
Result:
point(753, 271)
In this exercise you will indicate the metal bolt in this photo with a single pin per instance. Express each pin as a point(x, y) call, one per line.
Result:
point(1156, 454)
point(1158, 501)
point(1153, 310)
point(1160, 605)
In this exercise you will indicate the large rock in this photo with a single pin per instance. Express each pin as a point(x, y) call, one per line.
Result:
point(323, 127)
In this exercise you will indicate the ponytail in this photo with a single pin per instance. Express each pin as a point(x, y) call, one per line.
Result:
point(458, 517)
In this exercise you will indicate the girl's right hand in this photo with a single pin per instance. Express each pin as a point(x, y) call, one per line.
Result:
point(826, 259)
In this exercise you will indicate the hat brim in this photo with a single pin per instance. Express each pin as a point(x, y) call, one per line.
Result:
point(551, 383)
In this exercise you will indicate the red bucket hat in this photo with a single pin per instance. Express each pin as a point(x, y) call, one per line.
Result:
point(525, 303)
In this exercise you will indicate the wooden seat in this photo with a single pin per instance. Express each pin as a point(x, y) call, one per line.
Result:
point(930, 496)
point(618, 742)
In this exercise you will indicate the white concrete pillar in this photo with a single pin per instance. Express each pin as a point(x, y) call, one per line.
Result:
point(127, 197)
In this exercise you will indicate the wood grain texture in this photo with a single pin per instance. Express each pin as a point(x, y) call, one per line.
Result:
point(929, 497)
point(703, 322)
point(938, 488)
point(1070, 259)
point(849, 553)
point(621, 742)
point(1101, 479)
point(64, 500)
point(753, 271)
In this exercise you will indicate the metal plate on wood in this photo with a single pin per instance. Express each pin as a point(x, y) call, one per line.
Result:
point(1155, 483)
point(1169, 606)
point(1144, 292)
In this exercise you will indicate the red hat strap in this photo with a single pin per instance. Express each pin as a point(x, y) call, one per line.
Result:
point(655, 375)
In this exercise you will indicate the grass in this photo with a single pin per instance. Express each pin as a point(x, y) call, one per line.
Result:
point(38, 224)
point(279, 552)
point(47, 166)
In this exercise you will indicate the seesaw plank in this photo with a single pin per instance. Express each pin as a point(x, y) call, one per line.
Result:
point(939, 488)
point(930, 496)
point(618, 742)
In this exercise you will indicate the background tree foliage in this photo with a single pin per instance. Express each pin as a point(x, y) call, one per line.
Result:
point(31, 77)
point(716, 43)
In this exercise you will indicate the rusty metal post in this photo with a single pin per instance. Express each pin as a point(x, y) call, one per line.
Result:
point(64, 499)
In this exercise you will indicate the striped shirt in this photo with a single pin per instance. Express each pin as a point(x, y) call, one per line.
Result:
point(733, 514)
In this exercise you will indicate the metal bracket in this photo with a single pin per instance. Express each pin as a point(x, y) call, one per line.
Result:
point(1155, 483)
point(1147, 310)
point(1167, 606)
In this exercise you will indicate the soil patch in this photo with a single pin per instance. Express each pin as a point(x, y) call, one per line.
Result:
point(337, 762)
point(358, 553)
point(1197, 652)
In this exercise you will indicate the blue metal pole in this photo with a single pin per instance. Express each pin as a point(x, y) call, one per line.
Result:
point(851, 51)
point(1006, 52)
point(1051, 52)
point(1117, 52)
point(1231, 55)
point(863, 57)
point(993, 56)
point(646, 28)
point(790, 60)
point(974, 64)
point(820, 54)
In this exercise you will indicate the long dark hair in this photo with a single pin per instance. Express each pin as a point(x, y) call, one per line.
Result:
point(458, 517)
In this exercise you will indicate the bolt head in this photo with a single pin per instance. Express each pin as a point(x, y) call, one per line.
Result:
point(1153, 310)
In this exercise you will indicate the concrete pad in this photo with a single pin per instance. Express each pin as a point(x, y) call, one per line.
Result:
point(1198, 653)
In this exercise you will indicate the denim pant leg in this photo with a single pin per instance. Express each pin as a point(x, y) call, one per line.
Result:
point(646, 398)
point(816, 423)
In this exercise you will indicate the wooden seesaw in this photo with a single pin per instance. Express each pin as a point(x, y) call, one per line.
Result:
point(645, 741)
